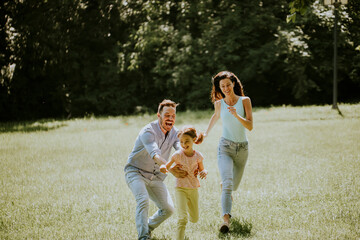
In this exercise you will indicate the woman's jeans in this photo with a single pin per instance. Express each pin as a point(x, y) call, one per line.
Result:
point(143, 190)
point(232, 157)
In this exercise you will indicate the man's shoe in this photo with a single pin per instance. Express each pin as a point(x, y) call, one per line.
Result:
point(149, 233)
point(224, 228)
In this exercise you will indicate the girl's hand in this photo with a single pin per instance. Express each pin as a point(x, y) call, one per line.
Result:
point(232, 110)
point(163, 168)
point(203, 174)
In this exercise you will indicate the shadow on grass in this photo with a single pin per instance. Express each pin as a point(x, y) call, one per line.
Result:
point(34, 126)
point(160, 238)
point(238, 229)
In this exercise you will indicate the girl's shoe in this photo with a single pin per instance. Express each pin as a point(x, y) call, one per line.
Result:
point(224, 228)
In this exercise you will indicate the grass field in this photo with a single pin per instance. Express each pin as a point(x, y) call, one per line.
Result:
point(65, 180)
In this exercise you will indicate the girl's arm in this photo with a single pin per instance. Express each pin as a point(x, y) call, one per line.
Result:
point(215, 117)
point(165, 167)
point(247, 122)
point(170, 163)
point(202, 171)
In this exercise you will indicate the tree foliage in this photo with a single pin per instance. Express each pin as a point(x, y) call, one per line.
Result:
point(108, 57)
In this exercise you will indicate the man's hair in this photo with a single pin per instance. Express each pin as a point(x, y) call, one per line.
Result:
point(166, 103)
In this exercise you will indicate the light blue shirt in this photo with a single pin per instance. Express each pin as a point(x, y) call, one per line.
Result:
point(150, 141)
point(233, 130)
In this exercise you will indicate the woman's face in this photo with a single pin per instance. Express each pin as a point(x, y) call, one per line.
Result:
point(226, 86)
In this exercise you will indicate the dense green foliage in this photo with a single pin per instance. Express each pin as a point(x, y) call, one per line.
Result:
point(110, 57)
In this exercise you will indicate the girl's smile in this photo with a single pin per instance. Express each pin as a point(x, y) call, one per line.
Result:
point(187, 143)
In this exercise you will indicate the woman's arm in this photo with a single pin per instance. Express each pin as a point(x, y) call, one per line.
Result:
point(247, 122)
point(214, 118)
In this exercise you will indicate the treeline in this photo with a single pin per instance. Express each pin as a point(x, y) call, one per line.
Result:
point(70, 58)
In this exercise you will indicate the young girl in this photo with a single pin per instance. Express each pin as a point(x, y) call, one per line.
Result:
point(186, 190)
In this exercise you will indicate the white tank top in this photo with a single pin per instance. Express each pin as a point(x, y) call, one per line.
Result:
point(233, 130)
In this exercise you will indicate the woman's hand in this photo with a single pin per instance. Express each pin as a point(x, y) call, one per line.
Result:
point(178, 172)
point(232, 110)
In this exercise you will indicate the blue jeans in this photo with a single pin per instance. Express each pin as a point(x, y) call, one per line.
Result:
point(232, 157)
point(143, 190)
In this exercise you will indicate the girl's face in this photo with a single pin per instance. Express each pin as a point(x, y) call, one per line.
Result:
point(226, 86)
point(186, 142)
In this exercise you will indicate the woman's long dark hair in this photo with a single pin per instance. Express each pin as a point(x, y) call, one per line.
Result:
point(217, 94)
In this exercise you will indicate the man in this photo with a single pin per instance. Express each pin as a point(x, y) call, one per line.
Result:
point(152, 149)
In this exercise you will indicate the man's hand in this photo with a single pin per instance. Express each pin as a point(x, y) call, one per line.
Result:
point(178, 172)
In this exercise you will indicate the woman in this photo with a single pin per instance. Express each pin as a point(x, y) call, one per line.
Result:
point(234, 108)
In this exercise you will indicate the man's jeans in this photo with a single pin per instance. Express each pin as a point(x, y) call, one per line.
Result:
point(143, 190)
point(232, 157)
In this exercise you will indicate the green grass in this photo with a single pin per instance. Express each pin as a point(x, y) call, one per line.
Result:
point(65, 180)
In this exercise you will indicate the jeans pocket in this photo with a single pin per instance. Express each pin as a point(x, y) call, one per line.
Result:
point(245, 146)
point(224, 146)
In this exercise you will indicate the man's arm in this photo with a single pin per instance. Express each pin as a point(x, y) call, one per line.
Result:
point(177, 145)
point(148, 140)
point(159, 160)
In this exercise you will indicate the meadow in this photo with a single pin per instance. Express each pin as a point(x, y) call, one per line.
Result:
point(64, 179)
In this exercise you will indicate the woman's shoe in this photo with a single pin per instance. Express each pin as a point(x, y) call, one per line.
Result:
point(224, 228)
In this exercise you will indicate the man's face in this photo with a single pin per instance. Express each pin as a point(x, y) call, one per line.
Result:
point(167, 118)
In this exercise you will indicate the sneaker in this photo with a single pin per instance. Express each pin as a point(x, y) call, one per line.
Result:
point(224, 228)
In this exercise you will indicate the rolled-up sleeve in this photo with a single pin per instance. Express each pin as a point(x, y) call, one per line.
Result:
point(177, 145)
point(148, 139)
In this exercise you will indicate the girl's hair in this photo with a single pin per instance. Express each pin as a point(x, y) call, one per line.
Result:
point(191, 131)
point(216, 93)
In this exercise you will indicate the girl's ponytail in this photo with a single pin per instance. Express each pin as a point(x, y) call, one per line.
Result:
point(199, 138)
